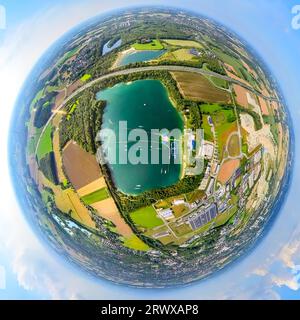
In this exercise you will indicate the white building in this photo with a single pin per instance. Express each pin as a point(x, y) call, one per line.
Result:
point(166, 214)
point(178, 202)
point(208, 150)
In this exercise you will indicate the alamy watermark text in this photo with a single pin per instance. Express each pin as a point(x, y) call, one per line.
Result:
point(296, 18)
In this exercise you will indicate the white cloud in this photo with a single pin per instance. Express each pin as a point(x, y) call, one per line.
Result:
point(282, 270)
point(2, 278)
point(260, 272)
point(289, 253)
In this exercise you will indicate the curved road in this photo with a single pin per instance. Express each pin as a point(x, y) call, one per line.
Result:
point(150, 68)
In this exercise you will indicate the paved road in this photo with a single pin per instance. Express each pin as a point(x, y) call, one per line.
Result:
point(171, 68)
point(151, 68)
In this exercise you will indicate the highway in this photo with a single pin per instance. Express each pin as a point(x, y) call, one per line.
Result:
point(150, 68)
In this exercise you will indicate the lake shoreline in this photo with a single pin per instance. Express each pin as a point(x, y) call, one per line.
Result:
point(137, 116)
point(121, 55)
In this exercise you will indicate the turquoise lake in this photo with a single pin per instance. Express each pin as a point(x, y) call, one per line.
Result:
point(143, 104)
point(140, 56)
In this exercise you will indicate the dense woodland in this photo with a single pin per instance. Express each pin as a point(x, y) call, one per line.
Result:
point(83, 124)
point(43, 109)
point(48, 167)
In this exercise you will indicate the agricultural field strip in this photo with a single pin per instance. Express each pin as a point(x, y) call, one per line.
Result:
point(148, 68)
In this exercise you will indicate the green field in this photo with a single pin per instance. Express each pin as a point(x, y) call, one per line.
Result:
point(179, 55)
point(210, 108)
point(207, 130)
point(135, 243)
point(153, 45)
point(220, 115)
point(181, 230)
point(223, 131)
point(224, 217)
point(96, 196)
point(45, 145)
point(218, 82)
point(224, 120)
point(86, 77)
point(146, 217)
point(183, 43)
point(183, 55)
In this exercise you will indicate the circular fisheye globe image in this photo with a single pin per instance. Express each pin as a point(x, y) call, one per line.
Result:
point(150, 147)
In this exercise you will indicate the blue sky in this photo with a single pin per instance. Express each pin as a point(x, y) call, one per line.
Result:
point(272, 270)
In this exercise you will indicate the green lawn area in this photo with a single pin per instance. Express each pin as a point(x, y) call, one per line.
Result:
point(183, 55)
point(223, 131)
point(218, 82)
point(181, 230)
point(219, 114)
point(224, 217)
point(135, 243)
point(85, 77)
point(153, 45)
point(146, 217)
point(224, 121)
point(207, 129)
point(45, 145)
point(210, 108)
point(96, 196)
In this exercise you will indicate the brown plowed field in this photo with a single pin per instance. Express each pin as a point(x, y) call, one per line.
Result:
point(227, 170)
point(196, 87)
point(108, 210)
point(263, 106)
point(241, 95)
point(80, 166)
point(233, 145)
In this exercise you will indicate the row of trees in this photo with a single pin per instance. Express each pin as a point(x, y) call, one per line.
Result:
point(130, 203)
